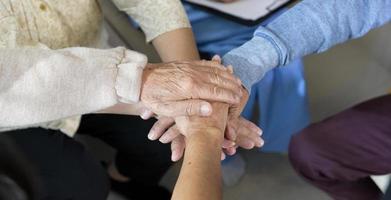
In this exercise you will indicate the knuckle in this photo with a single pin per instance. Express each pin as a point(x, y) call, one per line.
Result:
point(188, 83)
point(158, 124)
point(190, 108)
point(218, 79)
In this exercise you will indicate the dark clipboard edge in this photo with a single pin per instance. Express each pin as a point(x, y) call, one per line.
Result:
point(240, 20)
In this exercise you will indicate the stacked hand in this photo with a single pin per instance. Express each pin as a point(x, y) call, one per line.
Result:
point(176, 89)
point(238, 133)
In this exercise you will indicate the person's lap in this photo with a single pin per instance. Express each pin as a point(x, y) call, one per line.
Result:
point(65, 167)
point(340, 153)
point(69, 171)
point(139, 158)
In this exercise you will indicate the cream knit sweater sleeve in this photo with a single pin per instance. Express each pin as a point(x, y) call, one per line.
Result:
point(39, 85)
point(155, 16)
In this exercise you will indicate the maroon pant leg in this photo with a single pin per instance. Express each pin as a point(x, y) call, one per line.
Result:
point(340, 153)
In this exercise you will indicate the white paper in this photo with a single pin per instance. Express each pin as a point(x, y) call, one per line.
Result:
point(245, 9)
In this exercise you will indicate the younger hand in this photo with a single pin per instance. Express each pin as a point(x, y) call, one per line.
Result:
point(247, 136)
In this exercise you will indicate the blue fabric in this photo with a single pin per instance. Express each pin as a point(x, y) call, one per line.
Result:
point(280, 96)
point(312, 26)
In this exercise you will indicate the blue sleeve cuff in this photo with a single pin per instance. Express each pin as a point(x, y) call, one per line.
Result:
point(254, 59)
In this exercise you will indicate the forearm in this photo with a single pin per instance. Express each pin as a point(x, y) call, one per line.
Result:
point(165, 24)
point(311, 26)
point(200, 176)
point(176, 45)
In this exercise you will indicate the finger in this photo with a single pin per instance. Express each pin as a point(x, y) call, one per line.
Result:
point(251, 126)
point(253, 132)
point(169, 135)
point(248, 128)
point(192, 107)
point(210, 64)
point(223, 156)
point(177, 148)
point(256, 140)
point(246, 143)
point(230, 151)
point(260, 143)
point(230, 69)
point(230, 133)
point(223, 82)
point(146, 114)
point(216, 93)
point(228, 144)
point(216, 58)
point(226, 74)
point(160, 127)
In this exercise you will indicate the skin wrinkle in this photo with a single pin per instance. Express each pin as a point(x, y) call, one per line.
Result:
point(189, 81)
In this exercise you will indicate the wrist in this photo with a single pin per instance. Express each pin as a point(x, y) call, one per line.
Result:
point(252, 60)
point(128, 77)
point(145, 77)
point(210, 134)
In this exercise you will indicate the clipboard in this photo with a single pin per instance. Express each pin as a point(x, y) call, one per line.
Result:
point(226, 9)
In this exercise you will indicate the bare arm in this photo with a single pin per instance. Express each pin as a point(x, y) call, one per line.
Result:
point(176, 45)
point(165, 23)
point(200, 176)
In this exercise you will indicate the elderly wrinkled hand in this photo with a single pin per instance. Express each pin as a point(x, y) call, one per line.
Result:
point(182, 88)
point(239, 131)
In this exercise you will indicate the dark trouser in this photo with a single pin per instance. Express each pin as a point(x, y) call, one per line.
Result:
point(67, 169)
point(339, 154)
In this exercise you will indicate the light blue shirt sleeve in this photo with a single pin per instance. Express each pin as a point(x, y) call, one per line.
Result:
point(312, 26)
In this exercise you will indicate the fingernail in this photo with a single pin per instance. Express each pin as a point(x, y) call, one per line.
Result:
point(174, 158)
point(144, 114)
point(233, 144)
point(260, 132)
point(216, 57)
point(205, 110)
point(262, 143)
point(239, 81)
point(151, 135)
